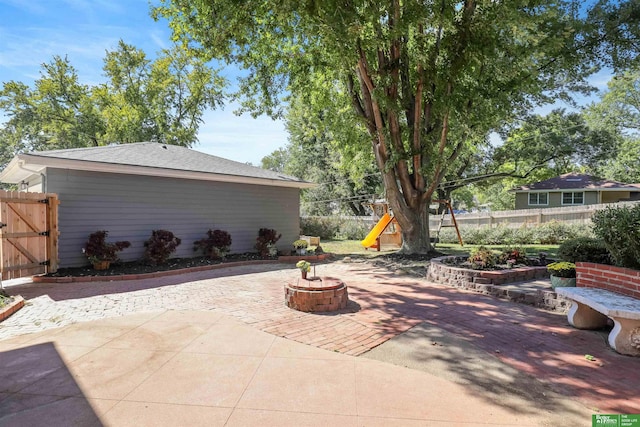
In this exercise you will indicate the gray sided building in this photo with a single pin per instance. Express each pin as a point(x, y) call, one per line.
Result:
point(131, 189)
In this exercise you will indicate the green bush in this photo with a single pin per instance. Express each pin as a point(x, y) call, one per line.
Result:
point(323, 227)
point(619, 228)
point(523, 235)
point(552, 233)
point(335, 227)
point(584, 249)
point(545, 234)
point(353, 230)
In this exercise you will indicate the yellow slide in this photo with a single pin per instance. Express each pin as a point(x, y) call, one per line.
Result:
point(370, 240)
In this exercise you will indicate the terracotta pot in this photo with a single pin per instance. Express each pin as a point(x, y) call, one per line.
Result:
point(304, 274)
point(101, 265)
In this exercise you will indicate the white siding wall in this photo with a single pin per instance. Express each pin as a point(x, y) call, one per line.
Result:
point(130, 206)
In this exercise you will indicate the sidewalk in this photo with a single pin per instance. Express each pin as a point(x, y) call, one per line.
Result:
point(529, 340)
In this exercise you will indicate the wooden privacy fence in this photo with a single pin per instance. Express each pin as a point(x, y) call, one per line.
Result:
point(28, 234)
point(523, 217)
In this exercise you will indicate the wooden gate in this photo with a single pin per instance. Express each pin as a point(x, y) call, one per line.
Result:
point(28, 234)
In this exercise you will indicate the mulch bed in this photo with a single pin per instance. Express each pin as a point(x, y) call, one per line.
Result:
point(462, 262)
point(412, 264)
point(139, 267)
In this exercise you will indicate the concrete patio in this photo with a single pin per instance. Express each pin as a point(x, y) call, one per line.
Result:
point(203, 368)
point(226, 352)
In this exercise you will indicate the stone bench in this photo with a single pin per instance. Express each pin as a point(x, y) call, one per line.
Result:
point(591, 308)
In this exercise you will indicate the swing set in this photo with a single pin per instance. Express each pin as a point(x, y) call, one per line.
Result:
point(387, 230)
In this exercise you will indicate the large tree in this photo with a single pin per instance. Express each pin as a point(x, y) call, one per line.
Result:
point(56, 113)
point(427, 79)
point(161, 100)
point(619, 107)
point(322, 149)
point(141, 100)
point(618, 112)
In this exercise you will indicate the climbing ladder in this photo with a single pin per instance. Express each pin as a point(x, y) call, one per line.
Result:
point(454, 223)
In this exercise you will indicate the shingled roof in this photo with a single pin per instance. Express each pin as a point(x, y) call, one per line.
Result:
point(148, 158)
point(574, 181)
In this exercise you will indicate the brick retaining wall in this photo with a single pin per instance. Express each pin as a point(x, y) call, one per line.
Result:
point(615, 279)
point(490, 282)
point(448, 275)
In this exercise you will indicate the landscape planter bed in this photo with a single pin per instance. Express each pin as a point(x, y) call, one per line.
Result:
point(491, 282)
point(106, 278)
point(12, 307)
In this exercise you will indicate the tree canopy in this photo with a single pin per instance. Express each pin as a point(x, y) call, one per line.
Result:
point(141, 100)
point(317, 151)
point(535, 148)
point(427, 80)
point(618, 112)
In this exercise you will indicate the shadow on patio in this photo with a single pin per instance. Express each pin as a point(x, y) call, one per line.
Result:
point(37, 389)
point(518, 343)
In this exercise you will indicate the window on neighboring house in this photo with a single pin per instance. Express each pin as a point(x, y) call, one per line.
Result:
point(573, 198)
point(538, 199)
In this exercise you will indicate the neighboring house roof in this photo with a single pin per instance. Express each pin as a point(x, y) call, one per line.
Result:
point(146, 158)
point(576, 181)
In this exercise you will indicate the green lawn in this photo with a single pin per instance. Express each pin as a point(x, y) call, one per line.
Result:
point(353, 247)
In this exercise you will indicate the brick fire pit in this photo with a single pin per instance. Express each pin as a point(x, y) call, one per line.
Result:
point(316, 294)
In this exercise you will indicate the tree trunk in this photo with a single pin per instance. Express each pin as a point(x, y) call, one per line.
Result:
point(414, 222)
point(415, 238)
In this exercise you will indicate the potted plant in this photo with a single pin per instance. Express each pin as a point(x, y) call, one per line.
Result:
point(305, 267)
point(562, 274)
point(301, 246)
point(100, 253)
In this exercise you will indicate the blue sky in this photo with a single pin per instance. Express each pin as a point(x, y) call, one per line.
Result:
point(33, 31)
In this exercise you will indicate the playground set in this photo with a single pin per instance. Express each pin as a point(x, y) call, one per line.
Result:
point(387, 230)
